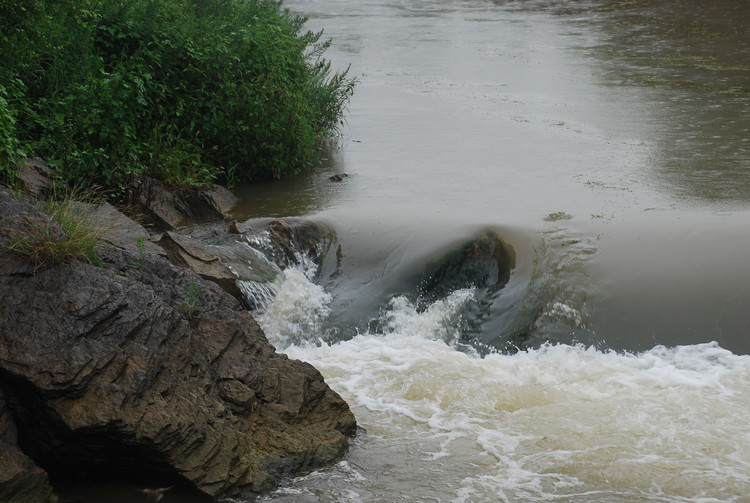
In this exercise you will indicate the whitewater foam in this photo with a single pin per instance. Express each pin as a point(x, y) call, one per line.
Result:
point(296, 312)
point(557, 423)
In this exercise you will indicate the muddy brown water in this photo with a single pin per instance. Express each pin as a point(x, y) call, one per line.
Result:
point(608, 143)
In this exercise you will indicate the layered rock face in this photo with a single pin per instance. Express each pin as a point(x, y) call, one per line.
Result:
point(140, 372)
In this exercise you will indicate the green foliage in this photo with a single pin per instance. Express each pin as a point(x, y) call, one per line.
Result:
point(141, 255)
point(189, 91)
point(9, 148)
point(194, 294)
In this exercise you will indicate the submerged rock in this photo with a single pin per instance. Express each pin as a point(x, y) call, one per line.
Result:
point(153, 377)
point(485, 261)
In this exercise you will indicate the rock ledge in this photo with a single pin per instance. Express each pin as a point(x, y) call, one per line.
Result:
point(142, 373)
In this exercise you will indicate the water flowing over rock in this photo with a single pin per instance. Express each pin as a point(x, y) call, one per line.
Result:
point(485, 261)
point(291, 241)
point(142, 373)
point(270, 246)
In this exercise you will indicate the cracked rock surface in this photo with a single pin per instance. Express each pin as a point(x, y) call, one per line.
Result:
point(141, 372)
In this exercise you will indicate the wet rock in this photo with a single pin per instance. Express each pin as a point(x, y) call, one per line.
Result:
point(485, 261)
point(184, 251)
point(294, 240)
point(236, 227)
point(558, 215)
point(274, 245)
point(228, 258)
point(125, 375)
point(338, 177)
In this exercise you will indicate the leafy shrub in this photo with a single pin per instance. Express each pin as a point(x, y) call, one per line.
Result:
point(185, 90)
point(9, 148)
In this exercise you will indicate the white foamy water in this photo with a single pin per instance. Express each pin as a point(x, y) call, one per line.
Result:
point(501, 113)
point(295, 314)
point(560, 423)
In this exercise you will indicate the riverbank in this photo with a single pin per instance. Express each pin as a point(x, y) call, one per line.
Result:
point(137, 372)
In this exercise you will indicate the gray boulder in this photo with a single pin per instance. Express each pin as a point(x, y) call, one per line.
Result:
point(190, 253)
point(122, 232)
point(35, 176)
point(170, 208)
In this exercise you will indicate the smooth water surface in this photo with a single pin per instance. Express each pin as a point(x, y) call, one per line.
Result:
point(609, 135)
point(608, 144)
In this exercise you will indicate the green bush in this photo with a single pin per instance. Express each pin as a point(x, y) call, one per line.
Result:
point(189, 91)
point(8, 142)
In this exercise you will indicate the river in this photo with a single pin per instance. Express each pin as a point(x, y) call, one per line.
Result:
point(608, 144)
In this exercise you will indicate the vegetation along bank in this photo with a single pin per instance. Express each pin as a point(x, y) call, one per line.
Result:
point(189, 92)
point(116, 365)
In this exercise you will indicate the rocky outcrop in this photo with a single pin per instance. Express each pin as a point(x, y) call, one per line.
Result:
point(169, 208)
point(161, 205)
point(142, 373)
point(35, 176)
point(187, 252)
point(122, 232)
point(17, 217)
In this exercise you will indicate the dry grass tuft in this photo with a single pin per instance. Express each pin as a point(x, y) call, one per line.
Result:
point(43, 243)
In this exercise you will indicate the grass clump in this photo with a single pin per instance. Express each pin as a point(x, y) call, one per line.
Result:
point(141, 262)
point(189, 91)
point(72, 233)
point(195, 292)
